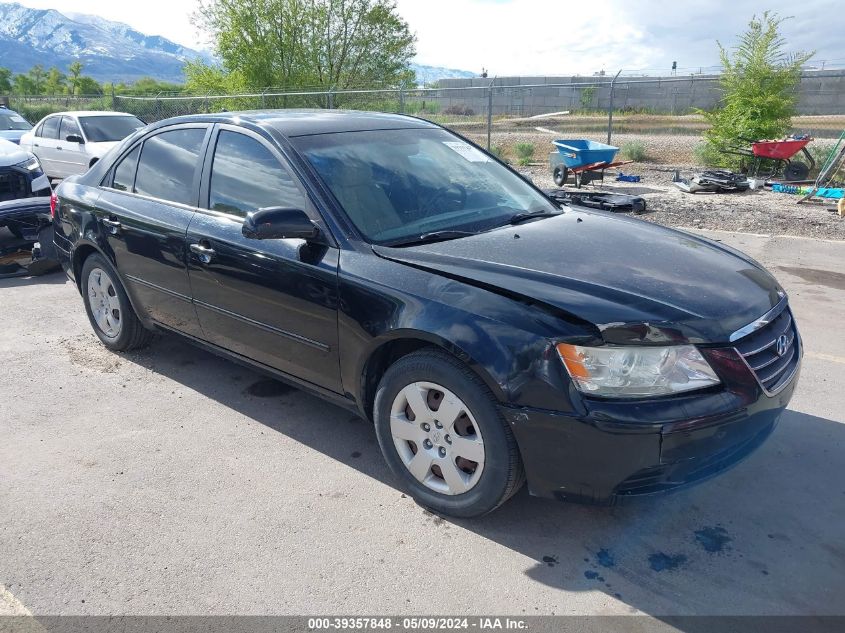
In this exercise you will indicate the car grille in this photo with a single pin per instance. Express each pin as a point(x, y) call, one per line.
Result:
point(773, 367)
point(13, 185)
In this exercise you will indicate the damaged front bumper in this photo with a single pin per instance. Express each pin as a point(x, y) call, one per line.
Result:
point(625, 449)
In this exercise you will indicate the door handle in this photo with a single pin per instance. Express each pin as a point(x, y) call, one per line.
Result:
point(113, 225)
point(203, 253)
point(59, 147)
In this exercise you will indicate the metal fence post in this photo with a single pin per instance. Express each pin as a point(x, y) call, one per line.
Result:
point(402, 98)
point(490, 113)
point(610, 108)
point(331, 98)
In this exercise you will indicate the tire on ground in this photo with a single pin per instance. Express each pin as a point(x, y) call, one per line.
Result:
point(503, 473)
point(132, 333)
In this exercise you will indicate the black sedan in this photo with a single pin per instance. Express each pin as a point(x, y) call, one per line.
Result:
point(394, 268)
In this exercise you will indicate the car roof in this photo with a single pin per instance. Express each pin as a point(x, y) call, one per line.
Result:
point(292, 123)
point(79, 113)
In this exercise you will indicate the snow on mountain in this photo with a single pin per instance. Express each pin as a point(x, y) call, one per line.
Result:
point(109, 51)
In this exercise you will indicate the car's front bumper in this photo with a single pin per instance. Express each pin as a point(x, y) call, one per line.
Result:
point(622, 449)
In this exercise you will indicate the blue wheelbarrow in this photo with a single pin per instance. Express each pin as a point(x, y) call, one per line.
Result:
point(586, 160)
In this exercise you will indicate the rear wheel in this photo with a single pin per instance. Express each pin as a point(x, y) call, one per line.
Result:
point(441, 433)
point(107, 305)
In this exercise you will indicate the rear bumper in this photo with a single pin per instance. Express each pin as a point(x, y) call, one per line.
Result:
point(621, 450)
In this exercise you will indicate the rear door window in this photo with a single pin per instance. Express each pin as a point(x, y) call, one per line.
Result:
point(246, 176)
point(168, 165)
point(50, 127)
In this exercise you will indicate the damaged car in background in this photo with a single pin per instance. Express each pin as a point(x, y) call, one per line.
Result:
point(384, 263)
point(25, 211)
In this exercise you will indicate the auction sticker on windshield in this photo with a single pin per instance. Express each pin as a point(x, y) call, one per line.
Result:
point(467, 151)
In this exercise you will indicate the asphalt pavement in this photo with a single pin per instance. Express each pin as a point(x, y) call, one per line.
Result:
point(169, 481)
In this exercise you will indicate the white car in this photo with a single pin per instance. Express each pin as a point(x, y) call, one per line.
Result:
point(68, 143)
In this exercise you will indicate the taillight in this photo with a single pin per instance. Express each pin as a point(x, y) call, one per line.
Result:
point(54, 204)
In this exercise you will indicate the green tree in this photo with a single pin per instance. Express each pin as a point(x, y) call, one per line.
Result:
point(5, 80)
point(300, 43)
point(758, 83)
point(89, 86)
point(74, 72)
point(55, 82)
point(36, 76)
point(22, 85)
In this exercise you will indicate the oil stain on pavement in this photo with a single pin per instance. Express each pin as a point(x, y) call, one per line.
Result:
point(713, 539)
point(660, 561)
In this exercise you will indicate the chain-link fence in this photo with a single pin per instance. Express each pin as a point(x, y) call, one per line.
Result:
point(659, 118)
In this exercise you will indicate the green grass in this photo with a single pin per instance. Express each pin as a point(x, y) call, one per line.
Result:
point(524, 153)
point(634, 150)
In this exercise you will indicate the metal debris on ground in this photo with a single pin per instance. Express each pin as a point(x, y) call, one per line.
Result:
point(617, 202)
point(714, 181)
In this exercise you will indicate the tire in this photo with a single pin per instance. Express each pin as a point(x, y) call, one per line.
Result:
point(560, 174)
point(111, 315)
point(476, 429)
point(15, 229)
point(796, 170)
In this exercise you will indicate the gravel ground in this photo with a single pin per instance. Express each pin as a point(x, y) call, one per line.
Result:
point(761, 211)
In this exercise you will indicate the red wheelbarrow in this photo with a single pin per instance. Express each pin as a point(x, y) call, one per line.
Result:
point(771, 158)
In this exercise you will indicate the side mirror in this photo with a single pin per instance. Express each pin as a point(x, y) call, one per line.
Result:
point(74, 138)
point(275, 223)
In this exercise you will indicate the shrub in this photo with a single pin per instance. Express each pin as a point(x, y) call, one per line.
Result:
point(459, 109)
point(634, 150)
point(706, 155)
point(524, 152)
point(758, 82)
point(498, 151)
point(587, 95)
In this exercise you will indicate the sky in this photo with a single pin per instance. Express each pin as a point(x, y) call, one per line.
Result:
point(542, 37)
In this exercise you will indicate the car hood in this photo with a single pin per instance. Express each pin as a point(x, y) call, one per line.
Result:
point(11, 154)
point(12, 135)
point(635, 281)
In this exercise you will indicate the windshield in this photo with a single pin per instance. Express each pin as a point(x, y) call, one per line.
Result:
point(399, 185)
point(100, 129)
point(13, 121)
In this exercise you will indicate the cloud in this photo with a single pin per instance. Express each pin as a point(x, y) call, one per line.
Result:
point(550, 37)
point(542, 37)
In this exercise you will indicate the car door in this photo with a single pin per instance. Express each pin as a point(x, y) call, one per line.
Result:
point(274, 301)
point(147, 202)
point(70, 155)
point(44, 144)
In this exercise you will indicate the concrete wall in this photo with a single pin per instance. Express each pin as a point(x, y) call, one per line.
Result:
point(821, 92)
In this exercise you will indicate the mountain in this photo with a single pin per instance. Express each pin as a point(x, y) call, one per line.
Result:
point(109, 51)
point(430, 74)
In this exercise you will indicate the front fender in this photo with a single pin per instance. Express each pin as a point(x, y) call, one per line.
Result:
point(509, 344)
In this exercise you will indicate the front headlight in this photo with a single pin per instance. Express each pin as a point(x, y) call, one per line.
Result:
point(626, 372)
point(31, 164)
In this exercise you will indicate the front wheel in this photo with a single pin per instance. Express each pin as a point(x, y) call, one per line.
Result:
point(109, 310)
point(441, 434)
